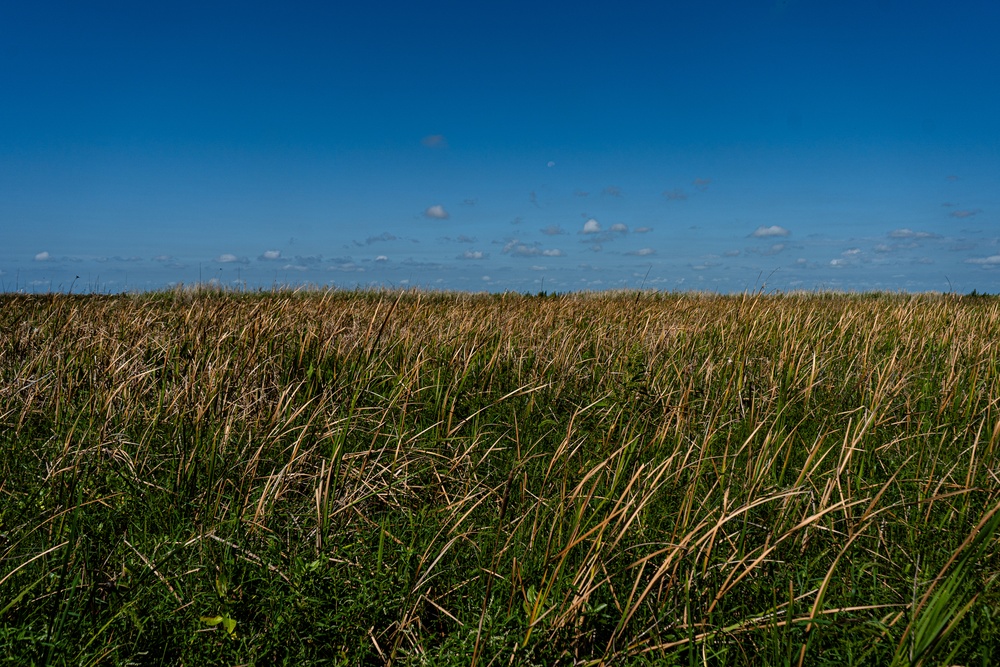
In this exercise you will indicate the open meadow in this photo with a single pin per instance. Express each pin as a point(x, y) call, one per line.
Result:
point(360, 478)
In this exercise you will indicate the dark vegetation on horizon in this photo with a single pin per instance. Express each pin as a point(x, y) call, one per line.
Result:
point(320, 477)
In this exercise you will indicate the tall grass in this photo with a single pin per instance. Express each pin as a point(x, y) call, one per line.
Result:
point(420, 478)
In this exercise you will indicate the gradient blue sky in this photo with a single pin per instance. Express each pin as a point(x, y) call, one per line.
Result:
point(721, 146)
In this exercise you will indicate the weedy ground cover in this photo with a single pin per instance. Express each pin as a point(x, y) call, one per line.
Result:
point(416, 478)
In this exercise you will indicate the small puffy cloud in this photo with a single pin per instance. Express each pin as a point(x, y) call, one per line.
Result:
point(473, 254)
point(434, 141)
point(612, 191)
point(992, 260)
point(381, 258)
point(850, 252)
point(642, 230)
point(676, 194)
point(519, 249)
point(592, 226)
point(42, 256)
point(766, 232)
point(229, 258)
point(965, 213)
point(550, 164)
point(619, 227)
point(838, 263)
point(553, 230)
point(436, 212)
point(642, 252)
point(270, 255)
point(701, 183)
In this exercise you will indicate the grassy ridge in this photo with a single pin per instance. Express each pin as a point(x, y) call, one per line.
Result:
point(359, 478)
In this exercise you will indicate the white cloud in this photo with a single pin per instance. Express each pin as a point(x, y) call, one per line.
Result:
point(773, 230)
point(992, 260)
point(345, 265)
point(550, 164)
point(42, 256)
point(905, 233)
point(966, 213)
point(519, 249)
point(592, 226)
point(851, 251)
point(553, 230)
point(642, 230)
point(619, 227)
point(436, 212)
point(642, 252)
point(227, 258)
point(381, 258)
point(270, 255)
point(472, 254)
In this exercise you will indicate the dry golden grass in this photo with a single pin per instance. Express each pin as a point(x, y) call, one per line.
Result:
point(431, 477)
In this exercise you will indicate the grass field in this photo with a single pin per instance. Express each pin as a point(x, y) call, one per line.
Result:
point(357, 478)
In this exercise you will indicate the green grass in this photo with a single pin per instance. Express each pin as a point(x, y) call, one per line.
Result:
point(348, 478)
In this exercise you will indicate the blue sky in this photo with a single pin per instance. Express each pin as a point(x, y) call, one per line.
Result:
point(720, 146)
